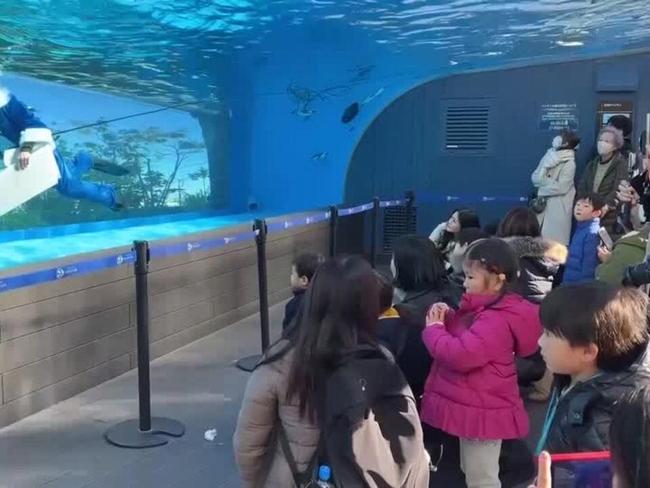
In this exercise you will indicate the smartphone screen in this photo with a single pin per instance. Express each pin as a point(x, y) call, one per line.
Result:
point(606, 239)
point(582, 470)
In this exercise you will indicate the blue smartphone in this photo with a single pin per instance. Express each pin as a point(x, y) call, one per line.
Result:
point(582, 470)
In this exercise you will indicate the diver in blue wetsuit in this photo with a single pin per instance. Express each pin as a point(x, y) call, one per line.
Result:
point(21, 127)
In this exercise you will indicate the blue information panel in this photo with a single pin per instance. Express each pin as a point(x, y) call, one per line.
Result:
point(558, 116)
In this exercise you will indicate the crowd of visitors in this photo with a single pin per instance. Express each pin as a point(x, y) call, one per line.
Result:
point(419, 378)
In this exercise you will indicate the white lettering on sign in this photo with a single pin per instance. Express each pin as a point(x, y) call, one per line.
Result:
point(558, 116)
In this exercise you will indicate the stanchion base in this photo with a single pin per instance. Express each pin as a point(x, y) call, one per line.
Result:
point(248, 364)
point(128, 433)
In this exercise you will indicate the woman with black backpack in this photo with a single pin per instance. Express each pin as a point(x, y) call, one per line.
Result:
point(328, 395)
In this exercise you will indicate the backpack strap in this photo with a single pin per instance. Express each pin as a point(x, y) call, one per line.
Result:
point(402, 334)
point(402, 340)
point(304, 478)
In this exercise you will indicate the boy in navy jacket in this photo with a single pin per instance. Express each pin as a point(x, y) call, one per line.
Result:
point(583, 250)
point(303, 269)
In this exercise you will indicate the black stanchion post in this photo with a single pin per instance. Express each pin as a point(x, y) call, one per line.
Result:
point(142, 324)
point(334, 229)
point(262, 280)
point(374, 231)
point(249, 363)
point(408, 213)
point(144, 431)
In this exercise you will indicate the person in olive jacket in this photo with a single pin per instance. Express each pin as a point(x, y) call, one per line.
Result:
point(605, 173)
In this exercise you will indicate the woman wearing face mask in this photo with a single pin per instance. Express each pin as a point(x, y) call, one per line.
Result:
point(605, 173)
point(553, 179)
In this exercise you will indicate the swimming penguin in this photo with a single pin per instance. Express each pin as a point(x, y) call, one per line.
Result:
point(351, 112)
point(320, 156)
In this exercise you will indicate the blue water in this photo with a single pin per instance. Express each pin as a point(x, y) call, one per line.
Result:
point(170, 49)
point(28, 251)
point(268, 83)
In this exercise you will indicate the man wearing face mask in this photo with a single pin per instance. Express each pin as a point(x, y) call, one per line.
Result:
point(554, 180)
point(605, 173)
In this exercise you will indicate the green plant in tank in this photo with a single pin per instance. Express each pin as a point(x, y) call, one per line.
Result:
point(154, 158)
point(204, 175)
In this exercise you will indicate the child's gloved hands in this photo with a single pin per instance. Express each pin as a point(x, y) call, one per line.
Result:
point(436, 314)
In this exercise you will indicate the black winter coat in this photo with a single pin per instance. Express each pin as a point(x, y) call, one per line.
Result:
point(413, 358)
point(641, 185)
point(539, 264)
point(583, 416)
point(292, 307)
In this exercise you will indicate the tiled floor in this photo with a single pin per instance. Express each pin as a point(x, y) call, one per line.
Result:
point(63, 446)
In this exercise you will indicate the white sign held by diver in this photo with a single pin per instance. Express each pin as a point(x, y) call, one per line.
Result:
point(20, 186)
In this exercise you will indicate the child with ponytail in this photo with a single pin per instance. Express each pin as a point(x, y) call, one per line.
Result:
point(472, 390)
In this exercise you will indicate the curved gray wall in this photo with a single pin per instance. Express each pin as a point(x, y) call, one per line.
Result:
point(404, 148)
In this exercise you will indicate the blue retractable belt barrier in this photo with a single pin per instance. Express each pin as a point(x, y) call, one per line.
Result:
point(90, 266)
point(468, 199)
point(345, 212)
point(164, 251)
point(54, 274)
point(282, 225)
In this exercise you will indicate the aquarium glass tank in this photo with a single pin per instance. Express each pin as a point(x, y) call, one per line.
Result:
point(204, 113)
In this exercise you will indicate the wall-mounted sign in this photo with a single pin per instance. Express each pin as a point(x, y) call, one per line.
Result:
point(558, 116)
point(609, 109)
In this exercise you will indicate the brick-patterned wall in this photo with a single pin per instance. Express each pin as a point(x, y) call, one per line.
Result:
point(59, 339)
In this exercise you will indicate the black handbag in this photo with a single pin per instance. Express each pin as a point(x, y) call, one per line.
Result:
point(537, 204)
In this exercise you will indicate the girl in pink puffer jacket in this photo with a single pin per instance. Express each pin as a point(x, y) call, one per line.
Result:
point(472, 389)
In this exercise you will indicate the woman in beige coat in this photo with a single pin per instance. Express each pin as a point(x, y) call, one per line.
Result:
point(259, 457)
point(339, 315)
point(554, 180)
